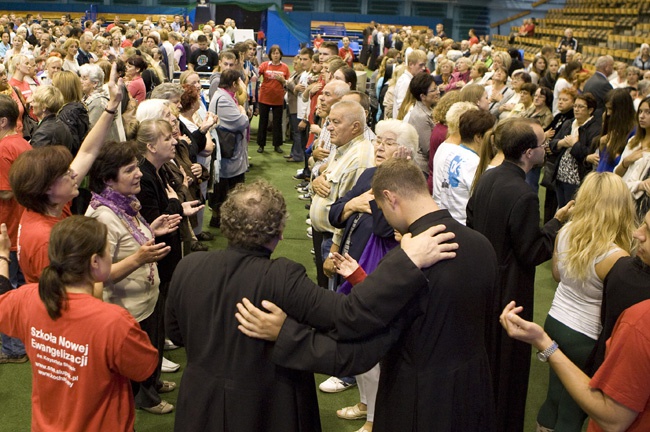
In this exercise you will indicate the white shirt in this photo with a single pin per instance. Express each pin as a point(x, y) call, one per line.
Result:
point(401, 87)
point(453, 172)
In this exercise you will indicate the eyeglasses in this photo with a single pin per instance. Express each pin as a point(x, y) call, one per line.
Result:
point(386, 142)
point(580, 107)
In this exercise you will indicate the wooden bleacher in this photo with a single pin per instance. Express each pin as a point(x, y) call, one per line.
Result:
point(602, 27)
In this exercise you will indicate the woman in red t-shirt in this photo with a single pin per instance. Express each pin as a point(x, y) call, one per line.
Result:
point(271, 97)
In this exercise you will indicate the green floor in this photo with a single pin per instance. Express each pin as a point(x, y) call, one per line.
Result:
point(15, 380)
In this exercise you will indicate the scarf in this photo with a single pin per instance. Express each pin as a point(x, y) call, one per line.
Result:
point(127, 209)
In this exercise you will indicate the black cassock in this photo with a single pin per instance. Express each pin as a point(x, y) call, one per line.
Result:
point(505, 209)
point(230, 382)
point(435, 374)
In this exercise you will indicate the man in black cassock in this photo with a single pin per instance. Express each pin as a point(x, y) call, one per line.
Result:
point(230, 382)
point(506, 210)
point(435, 372)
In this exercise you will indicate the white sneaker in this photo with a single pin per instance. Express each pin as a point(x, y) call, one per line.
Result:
point(308, 221)
point(169, 345)
point(334, 385)
point(309, 232)
point(169, 366)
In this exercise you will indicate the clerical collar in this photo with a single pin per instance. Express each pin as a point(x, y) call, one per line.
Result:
point(429, 220)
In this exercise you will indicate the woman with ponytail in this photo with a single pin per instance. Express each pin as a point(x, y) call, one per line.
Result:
point(83, 351)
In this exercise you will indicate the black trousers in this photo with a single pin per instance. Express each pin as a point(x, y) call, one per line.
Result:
point(220, 192)
point(264, 121)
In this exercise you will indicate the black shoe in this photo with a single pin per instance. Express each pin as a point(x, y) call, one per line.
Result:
point(205, 236)
point(278, 149)
point(308, 206)
point(260, 149)
point(215, 222)
point(302, 184)
point(198, 247)
point(300, 176)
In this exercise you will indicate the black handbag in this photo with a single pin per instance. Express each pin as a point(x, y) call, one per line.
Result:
point(227, 138)
point(227, 142)
point(29, 124)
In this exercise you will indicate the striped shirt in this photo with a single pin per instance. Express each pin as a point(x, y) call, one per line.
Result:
point(349, 161)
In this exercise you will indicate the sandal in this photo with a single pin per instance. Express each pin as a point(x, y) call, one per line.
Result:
point(167, 386)
point(163, 407)
point(351, 413)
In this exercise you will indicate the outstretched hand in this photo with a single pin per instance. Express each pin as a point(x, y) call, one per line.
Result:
point(192, 207)
point(115, 84)
point(345, 265)
point(258, 324)
point(522, 330)
point(429, 247)
point(164, 224)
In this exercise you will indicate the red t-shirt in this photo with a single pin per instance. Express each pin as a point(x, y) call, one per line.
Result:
point(137, 89)
point(272, 91)
point(625, 374)
point(11, 147)
point(33, 240)
point(81, 363)
point(344, 52)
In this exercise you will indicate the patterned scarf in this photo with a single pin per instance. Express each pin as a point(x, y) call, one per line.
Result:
point(127, 209)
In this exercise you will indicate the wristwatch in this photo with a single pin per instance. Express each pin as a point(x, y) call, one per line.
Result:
point(544, 355)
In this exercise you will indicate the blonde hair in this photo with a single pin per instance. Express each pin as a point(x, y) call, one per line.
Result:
point(69, 84)
point(407, 104)
point(604, 213)
point(49, 98)
point(442, 107)
point(454, 113)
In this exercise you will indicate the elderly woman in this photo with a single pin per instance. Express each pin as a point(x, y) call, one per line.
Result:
point(96, 97)
point(572, 144)
point(133, 283)
point(71, 47)
point(47, 101)
point(477, 73)
point(53, 65)
point(93, 390)
point(367, 237)
point(642, 61)
point(44, 181)
point(461, 76)
point(232, 120)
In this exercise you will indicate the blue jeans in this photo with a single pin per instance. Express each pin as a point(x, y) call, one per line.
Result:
point(325, 250)
point(298, 148)
point(565, 192)
point(11, 346)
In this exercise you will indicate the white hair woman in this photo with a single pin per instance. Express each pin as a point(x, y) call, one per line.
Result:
point(367, 237)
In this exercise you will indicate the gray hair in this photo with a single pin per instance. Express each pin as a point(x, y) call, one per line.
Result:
point(353, 110)
point(643, 87)
point(407, 135)
point(603, 61)
point(167, 91)
point(150, 109)
point(94, 73)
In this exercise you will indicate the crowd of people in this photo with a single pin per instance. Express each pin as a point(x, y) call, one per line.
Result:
point(421, 159)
